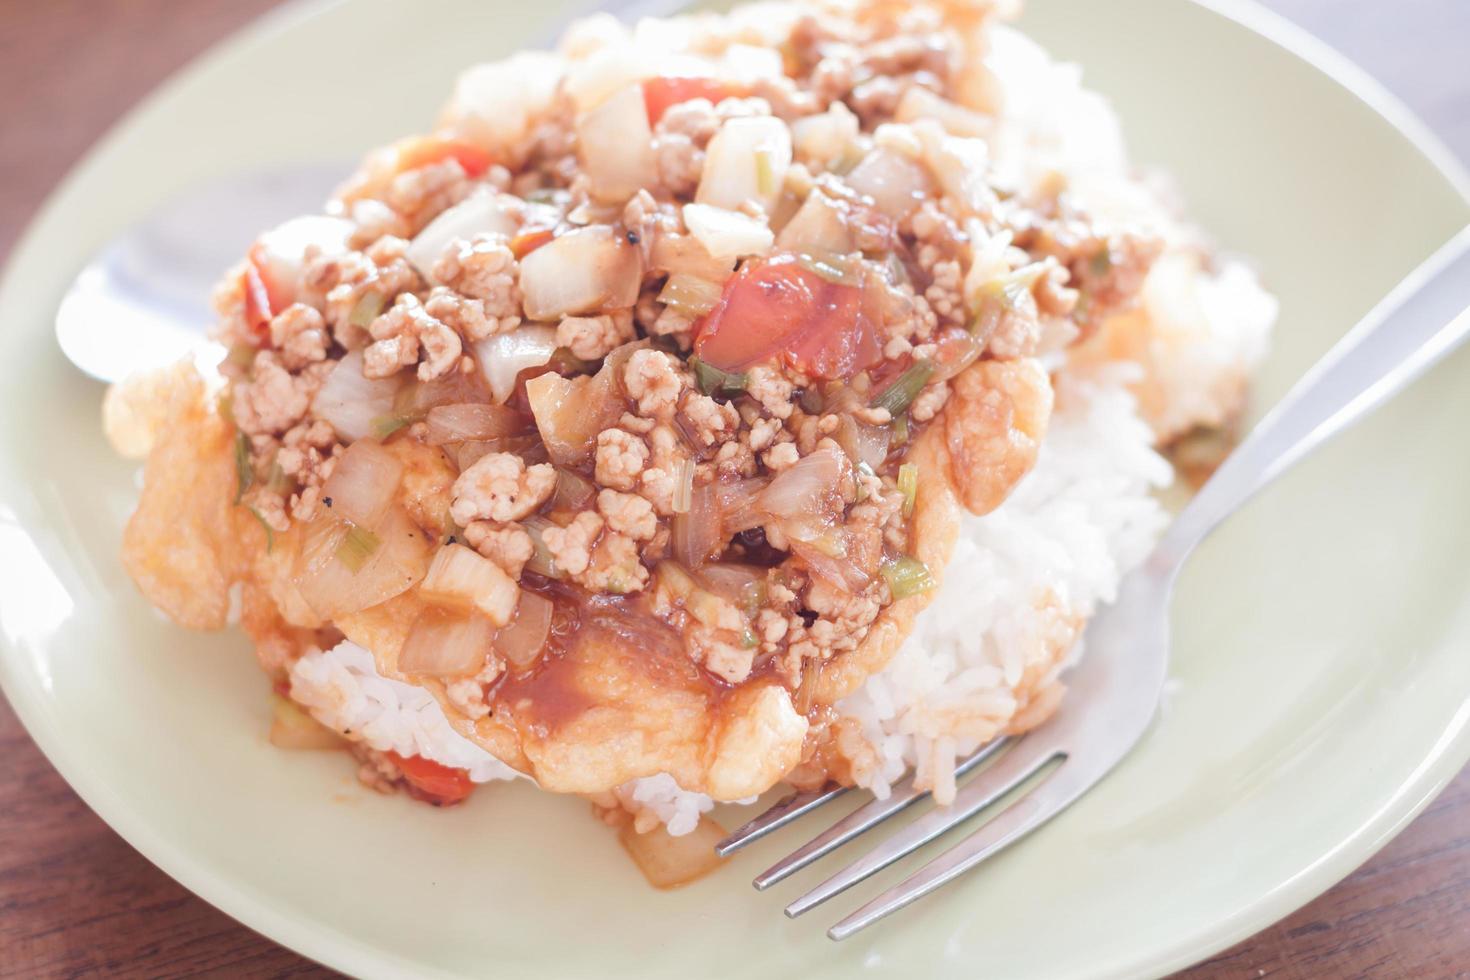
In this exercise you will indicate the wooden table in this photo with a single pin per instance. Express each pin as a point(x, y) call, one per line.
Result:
point(76, 901)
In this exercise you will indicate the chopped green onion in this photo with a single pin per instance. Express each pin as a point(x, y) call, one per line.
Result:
point(270, 533)
point(753, 596)
point(1101, 262)
point(542, 195)
point(899, 395)
point(367, 309)
point(244, 475)
point(569, 365)
point(806, 691)
point(908, 485)
point(1008, 290)
point(900, 431)
point(357, 546)
point(684, 486)
point(690, 295)
point(765, 172)
point(712, 380)
point(747, 639)
point(278, 482)
point(906, 577)
point(842, 270)
point(385, 425)
point(541, 562)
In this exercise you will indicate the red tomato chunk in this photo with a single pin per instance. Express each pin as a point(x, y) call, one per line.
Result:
point(780, 308)
point(438, 782)
point(661, 93)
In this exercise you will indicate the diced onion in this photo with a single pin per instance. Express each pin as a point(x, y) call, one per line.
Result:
point(895, 183)
point(746, 160)
point(727, 234)
point(863, 443)
point(740, 504)
point(573, 492)
point(696, 536)
point(352, 403)
point(689, 295)
point(615, 146)
point(503, 356)
point(920, 103)
point(477, 214)
point(446, 644)
point(686, 255)
point(457, 423)
point(810, 490)
point(331, 588)
point(570, 412)
point(460, 577)
point(592, 269)
point(817, 228)
point(823, 138)
point(837, 570)
point(282, 250)
point(363, 483)
point(495, 103)
point(293, 728)
point(524, 638)
point(668, 861)
point(452, 388)
point(736, 583)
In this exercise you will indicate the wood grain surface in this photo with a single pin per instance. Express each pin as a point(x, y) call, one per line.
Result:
point(76, 901)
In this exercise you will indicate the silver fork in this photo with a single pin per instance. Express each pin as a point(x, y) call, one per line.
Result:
point(1115, 688)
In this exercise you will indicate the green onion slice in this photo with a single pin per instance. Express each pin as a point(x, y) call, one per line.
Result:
point(908, 485)
point(358, 545)
point(369, 307)
point(385, 425)
point(270, 532)
point(906, 577)
point(712, 380)
point(899, 395)
point(900, 431)
point(244, 475)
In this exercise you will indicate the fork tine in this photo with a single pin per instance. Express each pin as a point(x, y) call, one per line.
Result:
point(1060, 788)
point(779, 815)
point(861, 820)
point(1023, 760)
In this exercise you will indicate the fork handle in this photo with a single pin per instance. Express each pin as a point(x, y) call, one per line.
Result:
point(1425, 318)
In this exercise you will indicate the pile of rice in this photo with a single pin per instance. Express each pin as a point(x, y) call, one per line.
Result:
point(986, 656)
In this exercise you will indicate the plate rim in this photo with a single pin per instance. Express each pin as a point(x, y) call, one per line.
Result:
point(344, 951)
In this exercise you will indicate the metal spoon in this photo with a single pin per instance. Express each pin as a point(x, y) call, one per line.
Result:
point(143, 300)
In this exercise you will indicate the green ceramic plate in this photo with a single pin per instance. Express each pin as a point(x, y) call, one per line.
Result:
point(1322, 637)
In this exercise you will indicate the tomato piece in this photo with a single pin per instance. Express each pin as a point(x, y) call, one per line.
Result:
point(528, 241)
point(421, 151)
point(660, 93)
point(264, 295)
point(439, 783)
point(780, 308)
